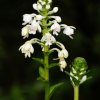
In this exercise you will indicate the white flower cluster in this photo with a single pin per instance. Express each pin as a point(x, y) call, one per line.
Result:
point(34, 22)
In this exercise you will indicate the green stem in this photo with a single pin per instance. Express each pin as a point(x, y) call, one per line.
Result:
point(46, 63)
point(46, 50)
point(76, 92)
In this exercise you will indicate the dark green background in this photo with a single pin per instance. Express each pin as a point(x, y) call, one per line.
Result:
point(18, 75)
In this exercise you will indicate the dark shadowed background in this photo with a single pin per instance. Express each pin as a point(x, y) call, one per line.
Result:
point(18, 75)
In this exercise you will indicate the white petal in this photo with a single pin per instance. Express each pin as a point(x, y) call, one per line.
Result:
point(25, 31)
point(58, 19)
point(39, 17)
point(83, 79)
point(27, 18)
point(63, 64)
point(35, 6)
point(39, 28)
point(39, 6)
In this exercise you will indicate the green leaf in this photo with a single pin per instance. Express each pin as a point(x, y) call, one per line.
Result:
point(40, 79)
point(41, 72)
point(54, 87)
point(53, 65)
point(39, 60)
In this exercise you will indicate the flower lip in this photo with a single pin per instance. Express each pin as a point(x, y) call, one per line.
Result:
point(62, 64)
point(25, 31)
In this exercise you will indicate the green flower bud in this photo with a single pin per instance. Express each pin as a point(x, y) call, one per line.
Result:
point(78, 71)
point(80, 64)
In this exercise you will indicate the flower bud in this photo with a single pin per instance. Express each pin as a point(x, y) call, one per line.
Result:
point(43, 3)
point(58, 19)
point(49, 1)
point(35, 6)
point(47, 7)
point(55, 9)
point(39, 7)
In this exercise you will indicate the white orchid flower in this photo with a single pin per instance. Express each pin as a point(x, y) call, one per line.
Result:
point(68, 30)
point(27, 18)
point(55, 28)
point(27, 49)
point(48, 39)
point(35, 26)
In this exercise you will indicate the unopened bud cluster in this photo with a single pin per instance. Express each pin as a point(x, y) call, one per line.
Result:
point(78, 71)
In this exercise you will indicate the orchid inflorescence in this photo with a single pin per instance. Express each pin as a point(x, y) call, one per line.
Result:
point(49, 26)
point(34, 23)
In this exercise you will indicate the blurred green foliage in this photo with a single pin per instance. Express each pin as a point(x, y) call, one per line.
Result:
point(18, 75)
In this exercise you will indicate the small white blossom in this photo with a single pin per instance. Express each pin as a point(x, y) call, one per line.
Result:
point(55, 28)
point(27, 18)
point(62, 64)
point(35, 26)
point(69, 30)
point(25, 31)
point(48, 39)
point(27, 49)
point(63, 53)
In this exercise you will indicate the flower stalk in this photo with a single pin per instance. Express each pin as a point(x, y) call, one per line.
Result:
point(78, 74)
point(76, 92)
point(46, 65)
